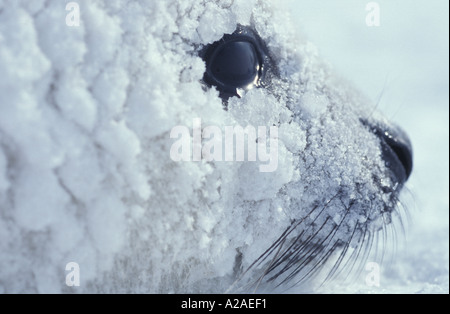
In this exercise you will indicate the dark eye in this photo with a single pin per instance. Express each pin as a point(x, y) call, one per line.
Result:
point(236, 62)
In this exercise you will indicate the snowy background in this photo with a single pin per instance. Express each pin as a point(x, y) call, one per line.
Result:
point(403, 66)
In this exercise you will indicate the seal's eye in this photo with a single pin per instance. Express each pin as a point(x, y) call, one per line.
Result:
point(236, 62)
point(235, 65)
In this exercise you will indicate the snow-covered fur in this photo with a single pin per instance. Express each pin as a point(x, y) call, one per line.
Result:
point(86, 174)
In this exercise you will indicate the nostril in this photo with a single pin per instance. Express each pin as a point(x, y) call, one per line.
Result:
point(402, 149)
point(396, 150)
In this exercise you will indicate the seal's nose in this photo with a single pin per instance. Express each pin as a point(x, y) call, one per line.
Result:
point(396, 150)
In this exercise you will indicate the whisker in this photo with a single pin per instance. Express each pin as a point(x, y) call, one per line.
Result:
point(293, 260)
point(355, 254)
point(333, 233)
point(309, 242)
point(315, 251)
point(332, 273)
point(267, 270)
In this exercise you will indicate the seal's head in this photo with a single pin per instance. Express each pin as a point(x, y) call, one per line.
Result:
point(86, 167)
point(351, 164)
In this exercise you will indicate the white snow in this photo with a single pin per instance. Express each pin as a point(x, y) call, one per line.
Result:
point(85, 170)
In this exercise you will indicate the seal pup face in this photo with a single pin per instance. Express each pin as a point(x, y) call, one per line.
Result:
point(356, 178)
point(86, 173)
